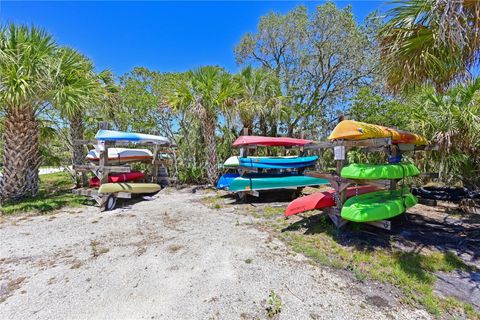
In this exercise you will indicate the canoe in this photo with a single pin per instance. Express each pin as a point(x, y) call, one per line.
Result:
point(129, 187)
point(320, 200)
point(112, 135)
point(354, 130)
point(119, 177)
point(378, 205)
point(263, 181)
point(231, 162)
point(121, 155)
point(269, 141)
point(226, 179)
point(379, 171)
point(278, 162)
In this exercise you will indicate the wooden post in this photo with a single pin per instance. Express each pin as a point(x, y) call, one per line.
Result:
point(244, 150)
point(103, 157)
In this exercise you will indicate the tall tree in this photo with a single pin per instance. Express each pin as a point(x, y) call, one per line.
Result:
point(260, 96)
point(25, 85)
point(77, 89)
point(430, 41)
point(320, 58)
point(205, 92)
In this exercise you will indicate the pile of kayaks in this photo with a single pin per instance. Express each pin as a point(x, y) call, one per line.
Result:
point(130, 182)
point(366, 203)
point(255, 173)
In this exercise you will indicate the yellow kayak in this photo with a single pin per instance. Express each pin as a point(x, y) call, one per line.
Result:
point(354, 130)
point(129, 187)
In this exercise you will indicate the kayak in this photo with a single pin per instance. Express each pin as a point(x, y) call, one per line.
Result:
point(226, 179)
point(118, 177)
point(121, 155)
point(278, 162)
point(129, 187)
point(379, 171)
point(354, 130)
point(231, 162)
point(112, 135)
point(264, 181)
point(378, 205)
point(269, 141)
point(320, 200)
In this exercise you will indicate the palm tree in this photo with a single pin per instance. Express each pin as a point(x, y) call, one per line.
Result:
point(260, 95)
point(25, 85)
point(206, 92)
point(452, 121)
point(430, 41)
point(76, 89)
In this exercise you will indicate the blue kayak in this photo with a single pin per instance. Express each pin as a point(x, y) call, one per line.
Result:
point(278, 162)
point(112, 135)
point(226, 179)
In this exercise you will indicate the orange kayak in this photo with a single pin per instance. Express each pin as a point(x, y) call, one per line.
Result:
point(354, 130)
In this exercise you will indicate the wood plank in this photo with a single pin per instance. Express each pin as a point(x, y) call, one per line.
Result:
point(378, 142)
point(382, 224)
point(85, 192)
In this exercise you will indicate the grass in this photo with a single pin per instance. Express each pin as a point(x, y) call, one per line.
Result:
point(54, 193)
point(412, 272)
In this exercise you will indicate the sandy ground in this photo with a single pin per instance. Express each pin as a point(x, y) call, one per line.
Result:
point(169, 258)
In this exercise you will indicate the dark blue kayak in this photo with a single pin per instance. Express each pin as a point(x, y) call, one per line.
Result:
point(278, 162)
point(226, 179)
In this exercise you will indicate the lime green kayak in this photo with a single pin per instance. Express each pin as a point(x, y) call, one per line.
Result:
point(379, 171)
point(129, 187)
point(378, 205)
point(272, 181)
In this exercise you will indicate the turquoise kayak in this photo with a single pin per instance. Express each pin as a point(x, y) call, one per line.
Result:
point(278, 162)
point(272, 181)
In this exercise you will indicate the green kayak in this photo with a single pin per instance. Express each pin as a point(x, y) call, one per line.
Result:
point(272, 181)
point(379, 171)
point(377, 205)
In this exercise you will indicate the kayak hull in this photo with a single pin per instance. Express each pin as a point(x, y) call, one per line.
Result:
point(320, 200)
point(121, 155)
point(118, 177)
point(378, 205)
point(269, 141)
point(379, 171)
point(354, 130)
point(226, 179)
point(278, 162)
point(112, 135)
point(273, 181)
point(135, 188)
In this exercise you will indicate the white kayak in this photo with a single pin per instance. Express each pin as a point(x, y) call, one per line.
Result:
point(112, 135)
point(119, 155)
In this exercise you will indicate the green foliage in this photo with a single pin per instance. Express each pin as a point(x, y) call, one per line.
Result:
point(321, 59)
point(55, 193)
point(430, 41)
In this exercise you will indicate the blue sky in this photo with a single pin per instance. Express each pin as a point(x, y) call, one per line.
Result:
point(163, 36)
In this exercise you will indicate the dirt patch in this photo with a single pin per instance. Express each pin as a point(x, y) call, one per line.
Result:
point(6, 290)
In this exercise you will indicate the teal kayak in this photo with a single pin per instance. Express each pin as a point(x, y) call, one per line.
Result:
point(278, 162)
point(272, 181)
point(379, 171)
point(378, 205)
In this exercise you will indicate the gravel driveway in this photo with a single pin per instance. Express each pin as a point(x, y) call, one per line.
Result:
point(169, 258)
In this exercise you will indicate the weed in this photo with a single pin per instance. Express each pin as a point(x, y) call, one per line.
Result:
point(274, 304)
point(248, 261)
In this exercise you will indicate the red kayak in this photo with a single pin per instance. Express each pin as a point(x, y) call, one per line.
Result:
point(118, 177)
point(321, 200)
point(269, 141)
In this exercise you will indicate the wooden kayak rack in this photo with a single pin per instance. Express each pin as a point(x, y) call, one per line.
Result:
point(340, 185)
point(158, 172)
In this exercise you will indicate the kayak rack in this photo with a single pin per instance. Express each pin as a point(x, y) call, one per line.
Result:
point(106, 201)
point(340, 185)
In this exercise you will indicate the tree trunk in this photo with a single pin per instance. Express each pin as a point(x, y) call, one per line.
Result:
point(78, 151)
point(21, 156)
point(208, 131)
